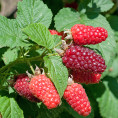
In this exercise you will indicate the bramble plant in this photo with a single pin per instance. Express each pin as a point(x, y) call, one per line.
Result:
point(59, 59)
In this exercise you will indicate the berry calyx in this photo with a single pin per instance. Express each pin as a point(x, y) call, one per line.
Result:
point(42, 88)
point(76, 97)
point(86, 35)
point(77, 57)
point(21, 86)
point(85, 77)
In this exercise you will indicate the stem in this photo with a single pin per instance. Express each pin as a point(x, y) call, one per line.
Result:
point(32, 69)
point(20, 61)
point(58, 44)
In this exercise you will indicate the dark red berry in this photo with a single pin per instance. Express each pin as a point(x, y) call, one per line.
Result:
point(22, 87)
point(73, 5)
point(76, 96)
point(86, 77)
point(83, 35)
point(77, 57)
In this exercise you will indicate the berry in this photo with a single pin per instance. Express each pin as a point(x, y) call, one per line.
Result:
point(22, 87)
point(54, 32)
point(85, 77)
point(76, 97)
point(83, 35)
point(77, 57)
point(43, 89)
point(73, 5)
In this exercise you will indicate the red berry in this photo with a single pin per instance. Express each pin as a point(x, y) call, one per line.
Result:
point(76, 96)
point(83, 35)
point(43, 89)
point(54, 32)
point(82, 58)
point(85, 77)
point(22, 87)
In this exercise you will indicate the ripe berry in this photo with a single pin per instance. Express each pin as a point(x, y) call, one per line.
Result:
point(76, 96)
point(73, 5)
point(54, 32)
point(82, 58)
point(83, 35)
point(22, 87)
point(43, 89)
point(85, 77)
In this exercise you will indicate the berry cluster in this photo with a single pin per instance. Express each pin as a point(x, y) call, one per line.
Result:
point(39, 88)
point(84, 65)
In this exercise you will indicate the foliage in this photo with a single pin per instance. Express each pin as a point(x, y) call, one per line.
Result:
point(26, 42)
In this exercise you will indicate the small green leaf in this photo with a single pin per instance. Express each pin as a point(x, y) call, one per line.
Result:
point(49, 113)
point(114, 24)
point(66, 18)
point(10, 55)
point(9, 108)
point(40, 34)
point(33, 11)
point(10, 33)
point(114, 72)
point(95, 5)
point(30, 109)
point(58, 72)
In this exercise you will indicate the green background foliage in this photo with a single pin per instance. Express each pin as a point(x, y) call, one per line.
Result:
point(27, 39)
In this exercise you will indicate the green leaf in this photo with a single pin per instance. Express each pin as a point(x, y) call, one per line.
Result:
point(66, 18)
point(114, 24)
point(57, 40)
point(10, 33)
point(108, 102)
point(106, 94)
point(95, 5)
point(9, 108)
point(49, 113)
point(33, 11)
point(30, 109)
point(10, 55)
point(107, 47)
point(40, 34)
point(114, 68)
point(57, 72)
